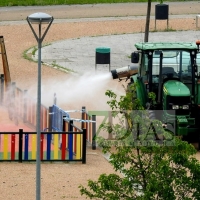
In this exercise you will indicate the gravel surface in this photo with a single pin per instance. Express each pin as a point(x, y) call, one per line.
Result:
point(59, 180)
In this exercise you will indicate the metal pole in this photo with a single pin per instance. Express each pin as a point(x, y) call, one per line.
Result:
point(39, 18)
point(38, 162)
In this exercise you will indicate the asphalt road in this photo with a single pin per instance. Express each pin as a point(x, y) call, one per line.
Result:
point(97, 10)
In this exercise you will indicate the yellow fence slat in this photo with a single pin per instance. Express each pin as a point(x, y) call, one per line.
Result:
point(56, 148)
point(78, 146)
point(34, 146)
point(5, 146)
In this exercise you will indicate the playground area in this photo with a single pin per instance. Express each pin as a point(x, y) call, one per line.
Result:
point(60, 180)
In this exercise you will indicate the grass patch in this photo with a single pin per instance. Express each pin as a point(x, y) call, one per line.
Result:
point(169, 30)
point(56, 66)
point(34, 50)
point(28, 55)
point(4, 3)
point(165, 30)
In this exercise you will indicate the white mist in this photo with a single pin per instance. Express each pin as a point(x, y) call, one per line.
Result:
point(75, 91)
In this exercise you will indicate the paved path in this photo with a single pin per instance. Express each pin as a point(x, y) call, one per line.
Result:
point(79, 54)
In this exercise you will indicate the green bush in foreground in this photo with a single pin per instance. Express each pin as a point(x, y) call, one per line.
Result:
point(164, 169)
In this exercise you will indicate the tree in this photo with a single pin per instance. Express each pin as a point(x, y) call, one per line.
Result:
point(146, 35)
point(149, 162)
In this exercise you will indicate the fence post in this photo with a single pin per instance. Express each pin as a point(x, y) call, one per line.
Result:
point(63, 143)
point(70, 139)
point(93, 132)
point(11, 101)
point(14, 106)
point(20, 144)
point(2, 88)
point(25, 106)
point(84, 147)
point(83, 117)
point(50, 118)
point(54, 99)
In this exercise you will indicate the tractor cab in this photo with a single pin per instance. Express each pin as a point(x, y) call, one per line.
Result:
point(172, 66)
point(170, 70)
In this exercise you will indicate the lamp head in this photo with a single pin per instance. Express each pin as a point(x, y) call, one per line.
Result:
point(39, 18)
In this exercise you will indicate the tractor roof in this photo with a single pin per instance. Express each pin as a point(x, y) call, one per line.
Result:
point(166, 46)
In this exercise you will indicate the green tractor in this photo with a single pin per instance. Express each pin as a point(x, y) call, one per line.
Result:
point(170, 70)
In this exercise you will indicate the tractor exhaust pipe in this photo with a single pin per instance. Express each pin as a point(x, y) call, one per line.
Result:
point(124, 72)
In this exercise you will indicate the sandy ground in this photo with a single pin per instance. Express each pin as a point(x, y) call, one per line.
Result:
point(59, 180)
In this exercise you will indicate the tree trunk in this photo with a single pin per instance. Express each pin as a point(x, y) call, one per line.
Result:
point(146, 35)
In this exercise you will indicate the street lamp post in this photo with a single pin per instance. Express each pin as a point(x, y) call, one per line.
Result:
point(39, 19)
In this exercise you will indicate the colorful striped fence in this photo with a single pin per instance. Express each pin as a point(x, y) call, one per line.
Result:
point(27, 106)
point(85, 121)
point(21, 146)
point(52, 120)
point(73, 139)
point(21, 106)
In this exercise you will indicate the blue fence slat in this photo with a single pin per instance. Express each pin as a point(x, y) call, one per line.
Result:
point(70, 140)
point(26, 147)
point(48, 146)
point(70, 146)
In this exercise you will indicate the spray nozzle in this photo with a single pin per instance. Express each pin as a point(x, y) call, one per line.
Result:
point(124, 72)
